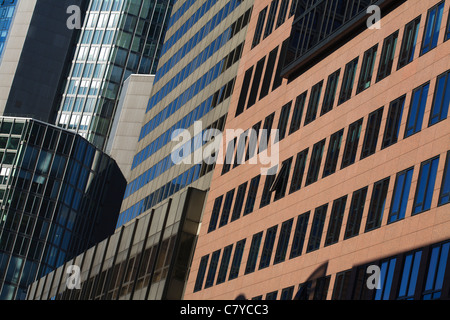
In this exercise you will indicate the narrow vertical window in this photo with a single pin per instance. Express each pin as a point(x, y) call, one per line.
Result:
point(432, 28)
point(314, 165)
point(201, 273)
point(377, 204)
point(212, 269)
point(386, 279)
point(355, 214)
point(267, 130)
point(387, 56)
point(333, 153)
point(335, 224)
point(348, 81)
point(365, 77)
point(437, 266)
point(444, 194)
point(278, 80)
point(253, 141)
point(271, 18)
point(409, 276)
point(351, 145)
point(256, 82)
point(237, 259)
point(240, 149)
point(425, 186)
point(283, 241)
point(299, 235)
point(315, 235)
point(400, 195)
point(259, 27)
point(314, 99)
point(393, 122)
point(372, 132)
point(222, 275)
point(226, 208)
point(298, 112)
point(251, 197)
point(239, 203)
point(282, 13)
point(299, 170)
point(244, 91)
point(409, 43)
point(417, 110)
point(231, 147)
point(287, 293)
point(283, 122)
point(441, 100)
point(447, 30)
point(272, 295)
point(253, 253)
point(330, 92)
point(267, 192)
point(268, 73)
point(293, 8)
point(267, 250)
point(342, 285)
point(280, 184)
point(215, 214)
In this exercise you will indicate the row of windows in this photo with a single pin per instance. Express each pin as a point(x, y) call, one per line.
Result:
point(186, 96)
point(215, 46)
point(422, 202)
point(106, 5)
point(190, 44)
point(180, 12)
point(269, 23)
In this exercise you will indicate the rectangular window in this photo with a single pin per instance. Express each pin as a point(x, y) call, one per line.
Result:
point(355, 214)
point(341, 285)
point(287, 293)
point(237, 259)
point(267, 129)
point(283, 241)
point(441, 100)
point(251, 197)
point(226, 208)
point(239, 203)
point(330, 92)
point(437, 266)
point(409, 276)
point(314, 99)
point(283, 122)
point(432, 28)
point(268, 73)
point(253, 253)
point(240, 149)
point(259, 27)
point(386, 278)
point(447, 30)
point(409, 43)
point(272, 295)
point(267, 192)
point(215, 214)
point(335, 224)
point(298, 112)
point(201, 273)
point(244, 91)
point(333, 153)
point(299, 170)
point(321, 289)
point(377, 204)
point(256, 82)
point(400, 195)
point(269, 242)
point(222, 275)
point(417, 110)
point(393, 122)
point(253, 141)
point(314, 165)
point(271, 18)
point(348, 81)
point(444, 194)
point(212, 269)
point(372, 132)
point(351, 145)
point(278, 80)
point(387, 56)
point(365, 77)
point(299, 235)
point(231, 148)
point(315, 235)
point(282, 13)
point(425, 186)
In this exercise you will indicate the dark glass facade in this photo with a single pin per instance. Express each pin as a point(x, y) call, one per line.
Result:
point(59, 195)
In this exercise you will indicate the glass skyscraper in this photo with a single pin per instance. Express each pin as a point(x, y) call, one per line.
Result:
point(59, 195)
point(119, 38)
point(7, 8)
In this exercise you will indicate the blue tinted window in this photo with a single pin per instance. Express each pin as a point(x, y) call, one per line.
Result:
point(417, 110)
point(436, 272)
point(386, 277)
point(409, 276)
point(425, 185)
point(441, 101)
point(444, 195)
point(432, 27)
point(400, 195)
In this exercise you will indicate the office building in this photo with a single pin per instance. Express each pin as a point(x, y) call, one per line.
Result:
point(194, 82)
point(361, 188)
point(36, 56)
point(118, 38)
point(59, 196)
